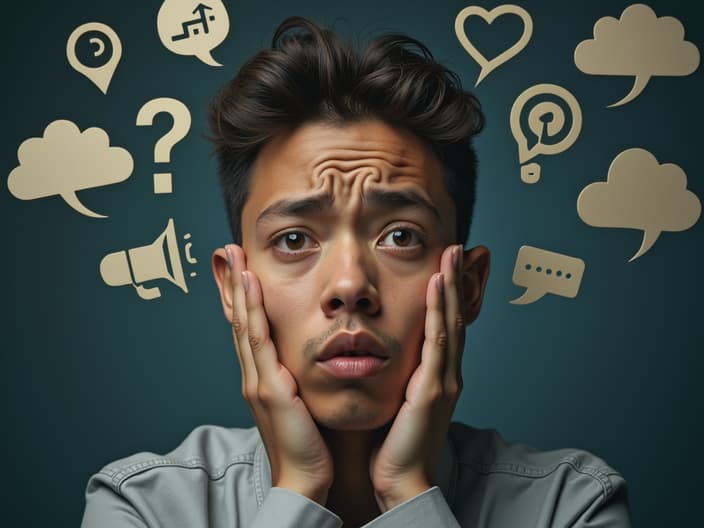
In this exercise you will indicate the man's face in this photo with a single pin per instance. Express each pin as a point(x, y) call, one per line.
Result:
point(344, 226)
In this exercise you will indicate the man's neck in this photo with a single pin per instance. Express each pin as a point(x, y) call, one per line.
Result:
point(351, 496)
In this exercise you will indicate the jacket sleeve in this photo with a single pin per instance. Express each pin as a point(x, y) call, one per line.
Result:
point(608, 510)
point(107, 509)
point(285, 509)
point(426, 509)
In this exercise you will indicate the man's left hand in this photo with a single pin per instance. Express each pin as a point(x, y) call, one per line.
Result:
point(403, 465)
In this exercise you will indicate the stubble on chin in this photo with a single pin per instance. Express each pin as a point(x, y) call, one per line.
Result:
point(349, 413)
point(351, 405)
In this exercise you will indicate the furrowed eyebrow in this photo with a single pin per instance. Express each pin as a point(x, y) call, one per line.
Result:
point(403, 198)
point(315, 204)
point(296, 207)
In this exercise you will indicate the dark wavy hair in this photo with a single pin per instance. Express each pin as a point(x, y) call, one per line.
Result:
point(310, 75)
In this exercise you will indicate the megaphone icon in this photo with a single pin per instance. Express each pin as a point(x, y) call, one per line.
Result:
point(142, 264)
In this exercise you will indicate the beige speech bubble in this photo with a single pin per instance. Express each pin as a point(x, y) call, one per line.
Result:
point(638, 44)
point(487, 66)
point(188, 27)
point(541, 127)
point(100, 75)
point(67, 160)
point(640, 193)
point(542, 272)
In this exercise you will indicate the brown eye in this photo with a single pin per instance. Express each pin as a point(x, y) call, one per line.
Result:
point(292, 242)
point(401, 238)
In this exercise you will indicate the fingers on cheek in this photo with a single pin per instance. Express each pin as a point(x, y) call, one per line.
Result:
point(254, 297)
point(452, 301)
point(435, 320)
point(451, 266)
point(257, 326)
point(232, 266)
point(450, 324)
point(239, 325)
point(434, 292)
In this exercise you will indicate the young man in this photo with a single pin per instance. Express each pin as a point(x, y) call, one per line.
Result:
point(349, 182)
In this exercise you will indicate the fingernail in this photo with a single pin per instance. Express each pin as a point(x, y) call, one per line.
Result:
point(230, 260)
point(440, 282)
point(245, 281)
point(457, 257)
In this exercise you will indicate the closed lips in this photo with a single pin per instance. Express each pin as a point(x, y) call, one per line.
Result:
point(353, 345)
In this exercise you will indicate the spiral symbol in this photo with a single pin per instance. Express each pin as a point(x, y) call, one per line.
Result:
point(554, 124)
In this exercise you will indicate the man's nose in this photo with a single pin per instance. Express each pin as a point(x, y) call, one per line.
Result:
point(351, 272)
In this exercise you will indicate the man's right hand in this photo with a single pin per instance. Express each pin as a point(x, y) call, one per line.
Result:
point(300, 460)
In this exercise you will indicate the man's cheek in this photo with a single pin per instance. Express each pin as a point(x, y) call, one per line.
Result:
point(413, 319)
point(284, 313)
point(420, 310)
point(272, 308)
point(416, 302)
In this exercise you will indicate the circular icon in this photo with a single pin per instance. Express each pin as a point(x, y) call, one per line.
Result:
point(553, 123)
point(94, 50)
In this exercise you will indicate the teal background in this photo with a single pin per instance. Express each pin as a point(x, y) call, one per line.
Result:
point(91, 373)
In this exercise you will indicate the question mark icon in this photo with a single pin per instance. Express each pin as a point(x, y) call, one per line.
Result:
point(162, 149)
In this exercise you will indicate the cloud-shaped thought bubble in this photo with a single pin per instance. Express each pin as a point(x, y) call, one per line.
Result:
point(639, 193)
point(67, 160)
point(190, 27)
point(639, 44)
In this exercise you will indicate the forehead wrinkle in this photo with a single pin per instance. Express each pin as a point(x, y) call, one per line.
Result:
point(385, 167)
point(394, 156)
point(345, 163)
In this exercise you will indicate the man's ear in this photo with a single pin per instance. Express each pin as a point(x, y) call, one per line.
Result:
point(475, 274)
point(223, 277)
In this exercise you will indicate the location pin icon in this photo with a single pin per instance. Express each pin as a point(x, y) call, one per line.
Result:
point(101, 73)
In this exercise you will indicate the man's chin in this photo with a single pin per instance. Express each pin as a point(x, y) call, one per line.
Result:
point(351, 425)
point(353, 416)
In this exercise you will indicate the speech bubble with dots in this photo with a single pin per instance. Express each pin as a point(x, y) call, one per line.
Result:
point(542, 272)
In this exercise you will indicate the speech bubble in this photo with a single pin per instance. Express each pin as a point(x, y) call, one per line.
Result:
point(640, 193)
point(193, 28)
point(638, 44)
point(66, 160)
point(542, 272)
point(98, 35)
point(544, 128)
point(487, 66)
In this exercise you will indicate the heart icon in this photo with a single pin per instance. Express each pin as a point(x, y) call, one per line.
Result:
point(489, 16)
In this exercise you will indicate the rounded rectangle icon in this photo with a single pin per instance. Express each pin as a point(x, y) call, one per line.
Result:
point(542, 272)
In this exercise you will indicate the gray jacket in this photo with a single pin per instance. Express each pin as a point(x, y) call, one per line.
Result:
point(221, 478)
